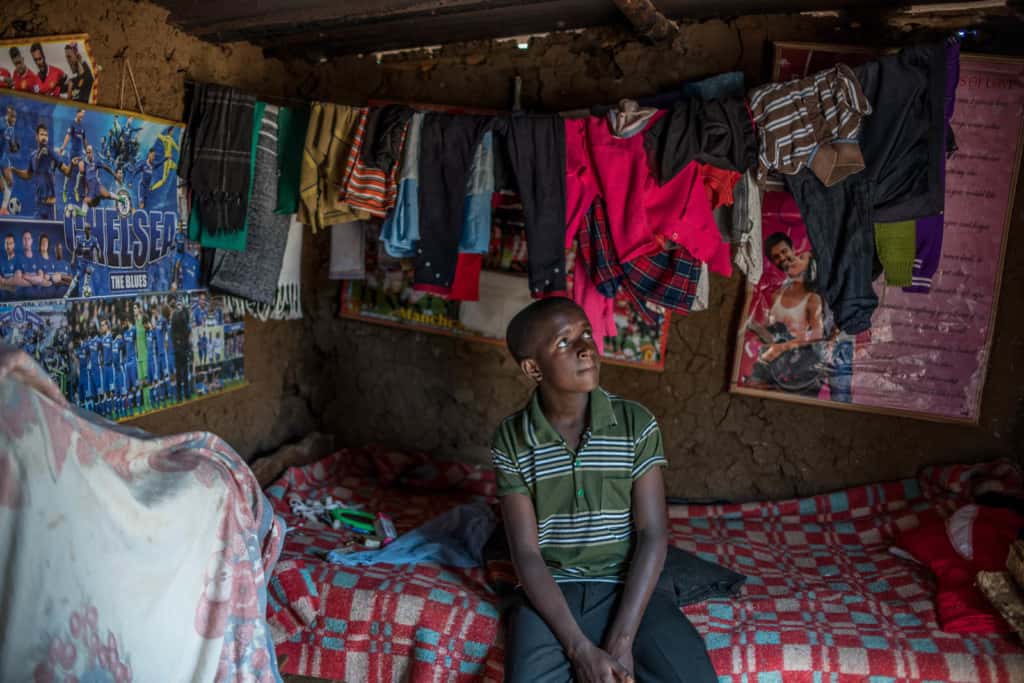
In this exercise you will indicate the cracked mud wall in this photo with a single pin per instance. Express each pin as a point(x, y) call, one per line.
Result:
point(368, 383)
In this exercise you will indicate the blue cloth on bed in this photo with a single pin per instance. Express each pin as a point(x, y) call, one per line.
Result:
point(455, 538)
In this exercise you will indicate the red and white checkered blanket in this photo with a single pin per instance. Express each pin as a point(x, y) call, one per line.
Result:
point(382, 622)
point(825, 599)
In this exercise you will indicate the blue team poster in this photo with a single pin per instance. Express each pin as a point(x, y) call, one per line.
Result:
point(123, 357)
point(108, 180)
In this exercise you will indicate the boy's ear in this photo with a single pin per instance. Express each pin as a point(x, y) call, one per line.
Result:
point(531, 369)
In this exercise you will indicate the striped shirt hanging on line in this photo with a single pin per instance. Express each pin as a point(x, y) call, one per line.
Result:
point(367, 188)
point(795, 117)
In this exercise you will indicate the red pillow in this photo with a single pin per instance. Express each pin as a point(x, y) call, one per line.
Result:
point(961, 607)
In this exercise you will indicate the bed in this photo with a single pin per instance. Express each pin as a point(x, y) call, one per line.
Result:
point(825, 599)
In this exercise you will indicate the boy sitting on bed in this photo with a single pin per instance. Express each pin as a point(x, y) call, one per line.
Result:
point(579, 475)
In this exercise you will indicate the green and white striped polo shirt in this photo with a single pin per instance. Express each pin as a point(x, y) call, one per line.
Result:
point(583, 500)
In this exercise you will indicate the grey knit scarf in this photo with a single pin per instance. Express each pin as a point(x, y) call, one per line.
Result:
point(252, 274)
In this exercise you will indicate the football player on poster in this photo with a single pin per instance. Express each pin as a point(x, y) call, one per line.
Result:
point(95, 368)
point(81, 78)
point(8, 147)
point(22, 78)
point(42, 164)
point(52, 81)
point(89, 168)
point(75, 135)
point(86, 253)
point(107, 358)
point(131, 366)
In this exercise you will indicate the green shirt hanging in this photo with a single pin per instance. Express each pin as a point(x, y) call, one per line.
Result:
point(292, 123)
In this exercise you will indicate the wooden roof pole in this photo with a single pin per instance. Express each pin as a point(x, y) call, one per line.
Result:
point(648, 21)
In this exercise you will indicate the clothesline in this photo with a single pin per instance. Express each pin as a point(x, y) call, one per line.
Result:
point(664, 172)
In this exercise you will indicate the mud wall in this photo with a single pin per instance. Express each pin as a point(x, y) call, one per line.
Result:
point(271, 410)
point(369, 383)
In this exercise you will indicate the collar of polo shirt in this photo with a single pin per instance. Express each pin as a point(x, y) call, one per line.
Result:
point(540, 432)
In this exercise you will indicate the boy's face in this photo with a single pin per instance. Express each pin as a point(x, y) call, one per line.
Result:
point(564, 355)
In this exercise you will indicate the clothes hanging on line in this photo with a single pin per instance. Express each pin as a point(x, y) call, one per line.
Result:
point(348, 251)
point(719, 184)
point(534, 147)
point(840, 227)
point(718, 133)
point(292, 124)
point(629, 118)
point(716, 87)
point(365, 187)
point(329, 139)
point(665, 280)
point(447, 146)
point(216, 156)
point(929, 230)
point(386, 136)
point(801, 119)
point(235, 238)
point(287, 303)
point(642, 214)
point(904, 140)
point(401, 228)
point(476, 218)
point(253, 273)
point(895, 244)
point(903, 178)
point(702, 296)
point(745, 228)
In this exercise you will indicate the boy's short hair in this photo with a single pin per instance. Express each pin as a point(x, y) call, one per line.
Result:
point(521, 331)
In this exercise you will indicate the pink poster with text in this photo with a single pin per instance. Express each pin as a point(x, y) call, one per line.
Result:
point(926, 353)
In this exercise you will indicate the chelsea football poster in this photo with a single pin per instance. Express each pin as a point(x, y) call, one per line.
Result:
point(98, 280)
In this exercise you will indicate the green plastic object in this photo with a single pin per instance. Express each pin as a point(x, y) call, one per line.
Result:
point(357, 520)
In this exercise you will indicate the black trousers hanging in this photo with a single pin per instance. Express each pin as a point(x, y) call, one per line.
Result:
point(447, 145)
point(535, 147)
point(667, 648)
point(840, 225)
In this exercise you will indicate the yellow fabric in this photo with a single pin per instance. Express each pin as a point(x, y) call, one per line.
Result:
point(328, 142)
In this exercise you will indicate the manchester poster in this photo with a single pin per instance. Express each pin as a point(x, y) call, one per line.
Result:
point(53, 66)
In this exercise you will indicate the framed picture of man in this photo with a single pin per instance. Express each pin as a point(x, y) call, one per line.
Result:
point(926, 353)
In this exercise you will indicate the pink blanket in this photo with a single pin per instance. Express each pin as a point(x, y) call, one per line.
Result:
point(123, 556)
